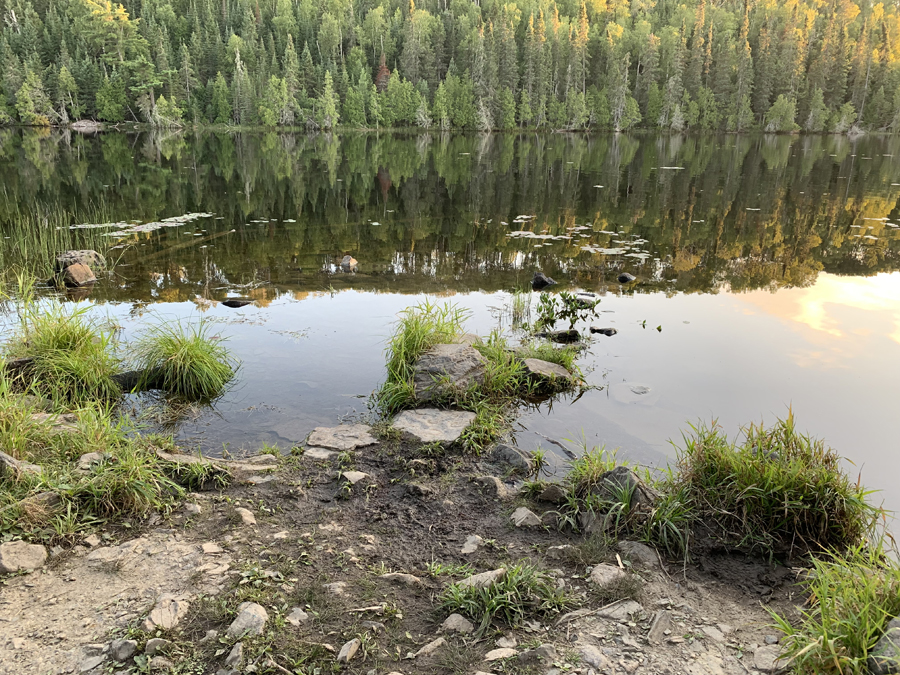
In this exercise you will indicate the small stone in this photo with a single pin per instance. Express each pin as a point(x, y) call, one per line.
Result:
point(122, 650)
point(713, 633)
point(342, 438)
point(353, 477)
point(492, 487)
point(594, 658)
point(430, 648)
point(546, 653)
point(374, 626)
point(335, 588)
point(553, 494)
point(319, 453)
point(541, 370)
point(210, 635)
point(540, 281)
point(771, 639)
point(160, 663)
point(297, 616)
point(483, 580)
point(235, 656)
point(157, 646)
point(90, 663)
point(473, 541)
point(501, 653)
point(523, 517)
point(608, 332)
point(768, 659)
point(190, 509)
point(623, 610)
point(81, 257)
point(18, 643)
point(92, 541)
point(246, 516)
point(457, 623)
point(662, 622)
point(639, 553)
point(251, 620)
point(507, 642)
point(511, 455)
point(400, 578)
point(559, 552)
point(348, 651)
point(16, 556)
point(167, 612)
point(87, 460)
point(607, 575)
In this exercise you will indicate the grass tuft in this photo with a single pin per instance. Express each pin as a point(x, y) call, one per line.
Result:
point(183, 360)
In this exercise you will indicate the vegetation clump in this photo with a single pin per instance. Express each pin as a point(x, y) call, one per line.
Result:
point(184, 361)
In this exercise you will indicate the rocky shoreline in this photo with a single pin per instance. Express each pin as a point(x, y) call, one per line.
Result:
point(335, 559)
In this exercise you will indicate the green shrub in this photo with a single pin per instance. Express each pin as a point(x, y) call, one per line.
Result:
point(184, 361)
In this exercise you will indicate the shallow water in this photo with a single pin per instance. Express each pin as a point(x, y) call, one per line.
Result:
point(767, 262)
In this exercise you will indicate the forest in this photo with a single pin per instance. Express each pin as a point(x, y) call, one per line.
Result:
point(818, 66)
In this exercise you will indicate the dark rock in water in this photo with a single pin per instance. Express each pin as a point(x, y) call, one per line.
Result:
point(137, 380)
point(541, 280)
point(237, 302)
point(78, 275)
point(884, 659)
point(625, 278)
point(445, 369)
point(586, 300)
point(563, 336)
point(518, 459)
point(608, 332)
point(87, 258)
point(622, 479)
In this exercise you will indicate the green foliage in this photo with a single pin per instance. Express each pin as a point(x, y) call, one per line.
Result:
point(523, 593)
point(565, 307)
point(780, 117)
point(184, 361)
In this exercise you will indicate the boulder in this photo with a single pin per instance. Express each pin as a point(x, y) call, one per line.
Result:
point(541, 281)
point(608, 332)
point(77, 275)
point(517, 459)
point(430, 425)
point(639, 553)
point(884, 659)
point(349, 263)
point(342, 438)
point(545, 371)
point(626, 278)
point(9, 465)
point(88, 258)
point(445, 369)
point(251, 620)
point(16, 556)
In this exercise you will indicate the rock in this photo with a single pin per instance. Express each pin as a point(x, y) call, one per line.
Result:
point(511, 455)
point(78, 275)
point(86, 126)
point(342, 438)
point(374, 626)
point(623, 610)
point(122, 650)
point(713, 633)
point(626, 278)
point(662, 621)
point(297, 616)
point(554, 493)
point(349, 263)
point(400, 578)
point(540, 281)
point(884, 659)
point(87, 258)
point(607, 575)
point(447, 369)
point(771, 639)
point(348, 651)
point(157, 646)
point(492, 487)
point(559, 552)
point(210, 548)
point(545, 654)
point(561, 336)
point(9, 465)
point(473, 541)
point(16, 556)
point(90, 663)
point(639, 553)
point(622, 479)
point(247, 518)
point(235, 303)
point(318, 453)
point(160, 663)
point(501, 653)
point(87, 460)
point(523, 517)
point(507, 641)
point(457, 623)
point(190, 509)
point(353, 477)
point(543, 371)
point(430, 425)
point(593, 657)
point(235, 657)
point(768, 659)
point(483, 580)
point(608, 332)
point(430, 648)
point(166, 613)
point(251, 620)
point(335, 588)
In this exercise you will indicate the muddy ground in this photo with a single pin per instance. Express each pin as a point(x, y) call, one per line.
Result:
point(412, 513)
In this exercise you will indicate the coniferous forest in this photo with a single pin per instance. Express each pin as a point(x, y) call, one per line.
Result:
point(772, 65)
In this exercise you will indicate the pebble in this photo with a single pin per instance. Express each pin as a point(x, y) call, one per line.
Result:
point(246, 516)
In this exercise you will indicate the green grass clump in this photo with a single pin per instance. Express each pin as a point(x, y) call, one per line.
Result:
point(779, 492)
point(73, 358)
point(523, 593)
point(852, 598)
point(184, 361)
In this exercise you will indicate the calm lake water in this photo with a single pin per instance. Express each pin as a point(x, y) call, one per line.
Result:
point(768, 263)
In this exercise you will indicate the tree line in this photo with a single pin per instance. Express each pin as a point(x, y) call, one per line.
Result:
point(674, 65)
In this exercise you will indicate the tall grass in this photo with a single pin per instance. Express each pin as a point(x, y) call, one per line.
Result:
point(184, 360)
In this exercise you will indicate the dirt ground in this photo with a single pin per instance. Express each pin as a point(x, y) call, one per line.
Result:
point(315, 560)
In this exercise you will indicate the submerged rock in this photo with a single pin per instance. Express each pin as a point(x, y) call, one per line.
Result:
point(608, 332)
point(562, 336)
point(540, 281)
point(430, 425)
point(445, 369)
point(234, 303)
point(87, 257)
point(78, 275)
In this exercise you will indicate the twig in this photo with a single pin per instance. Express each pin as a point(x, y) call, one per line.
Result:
point(272, 662)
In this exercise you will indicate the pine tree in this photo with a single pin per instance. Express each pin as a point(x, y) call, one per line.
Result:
point(220, 104)
point(327, 115)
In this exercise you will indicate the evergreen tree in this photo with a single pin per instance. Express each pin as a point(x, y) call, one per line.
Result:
point(327, 115)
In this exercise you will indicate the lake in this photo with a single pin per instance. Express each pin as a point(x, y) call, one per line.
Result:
point(766, 269)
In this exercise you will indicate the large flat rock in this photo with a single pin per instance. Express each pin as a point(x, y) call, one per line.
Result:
point(545, 370)
point(431, 425)
point(447, 368)
point(344, 437)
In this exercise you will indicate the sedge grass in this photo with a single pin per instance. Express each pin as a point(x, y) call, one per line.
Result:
point(184, 360)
